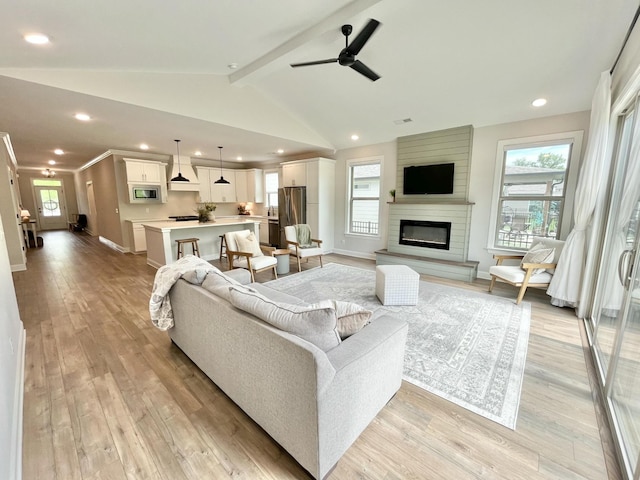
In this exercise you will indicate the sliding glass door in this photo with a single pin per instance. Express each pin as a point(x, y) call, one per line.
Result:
point(616, 315)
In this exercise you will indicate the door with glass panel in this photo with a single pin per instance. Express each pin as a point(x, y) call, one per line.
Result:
point(616, 315)
point(51, 208)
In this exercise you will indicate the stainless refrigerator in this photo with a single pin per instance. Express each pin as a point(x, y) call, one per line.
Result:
point(292, 209)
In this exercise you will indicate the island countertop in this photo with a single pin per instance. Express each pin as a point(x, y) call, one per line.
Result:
point(161, 237)
point(173, 225)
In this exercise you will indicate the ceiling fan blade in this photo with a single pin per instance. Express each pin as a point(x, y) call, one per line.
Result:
point(356, 45)
point(317, 62)
point(360, 67)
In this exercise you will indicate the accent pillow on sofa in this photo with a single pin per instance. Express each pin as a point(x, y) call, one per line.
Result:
point(538, 254)
point(249, 244)
point(351, 317)
point(315, 323)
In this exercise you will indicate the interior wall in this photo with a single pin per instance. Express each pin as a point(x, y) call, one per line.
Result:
point(11, 371)
point(359, 245)
point(483, 165)
point(25, 178)
point(10, 207)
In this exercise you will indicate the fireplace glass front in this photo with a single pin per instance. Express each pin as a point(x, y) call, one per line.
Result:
point(425, 234)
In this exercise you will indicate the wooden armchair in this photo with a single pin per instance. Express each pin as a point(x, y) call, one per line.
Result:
point(244, 251)
point(527, 274)
point(296, 250)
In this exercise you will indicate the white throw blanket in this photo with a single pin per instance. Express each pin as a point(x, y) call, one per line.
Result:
point(193, 269)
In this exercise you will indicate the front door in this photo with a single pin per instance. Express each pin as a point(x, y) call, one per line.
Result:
point(52, 212)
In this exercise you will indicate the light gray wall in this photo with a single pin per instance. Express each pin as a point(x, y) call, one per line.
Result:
point(483, 165)
point(11, 354)
point(481, 177)
point(353, 244)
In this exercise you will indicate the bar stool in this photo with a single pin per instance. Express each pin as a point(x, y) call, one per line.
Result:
point(223, 247)
point(194, 246)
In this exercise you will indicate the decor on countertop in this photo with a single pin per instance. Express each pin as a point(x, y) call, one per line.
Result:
point(221, 179)
point(179, 177)
point(467, 347)
point(25, 215)
point(205, 212)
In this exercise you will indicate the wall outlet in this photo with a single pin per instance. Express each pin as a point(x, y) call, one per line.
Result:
point(116, 210)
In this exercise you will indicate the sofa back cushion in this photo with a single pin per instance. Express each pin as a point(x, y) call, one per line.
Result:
point(316, 323)
point(218, 283)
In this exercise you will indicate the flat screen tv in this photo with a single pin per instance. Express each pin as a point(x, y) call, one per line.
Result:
point(428, 179)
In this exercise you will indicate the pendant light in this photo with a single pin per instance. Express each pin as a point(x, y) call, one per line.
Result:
point(221, 179)
point(179, 178)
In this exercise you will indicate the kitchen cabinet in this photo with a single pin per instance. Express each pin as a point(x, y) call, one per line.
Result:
point(264, 231)
point(144, 171)
point(137, 236)
point(294, 174)
point(205, 183)
point(255, 185)
point(242, 192)
point(223, 192)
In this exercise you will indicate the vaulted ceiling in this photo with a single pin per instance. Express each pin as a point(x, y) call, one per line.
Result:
point(151, 72)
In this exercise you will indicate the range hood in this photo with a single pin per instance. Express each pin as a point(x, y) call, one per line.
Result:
point(182, 166)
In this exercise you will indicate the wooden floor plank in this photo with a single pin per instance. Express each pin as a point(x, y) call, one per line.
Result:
point(108, 396)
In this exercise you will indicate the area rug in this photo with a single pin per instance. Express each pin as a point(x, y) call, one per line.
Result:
point(469, 348)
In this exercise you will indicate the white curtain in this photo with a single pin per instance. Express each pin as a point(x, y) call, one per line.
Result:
point(565, 285)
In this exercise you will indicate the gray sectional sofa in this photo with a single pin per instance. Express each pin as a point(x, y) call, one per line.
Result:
point(314, 403)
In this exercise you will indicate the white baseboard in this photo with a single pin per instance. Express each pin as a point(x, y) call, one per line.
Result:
point(15, 469)
point(111, 244)
point(20, 267)
point(351, 253)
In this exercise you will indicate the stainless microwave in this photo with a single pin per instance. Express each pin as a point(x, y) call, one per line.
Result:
point(145, 194)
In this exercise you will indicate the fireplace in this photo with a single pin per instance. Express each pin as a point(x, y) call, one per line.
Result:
point(425, 234)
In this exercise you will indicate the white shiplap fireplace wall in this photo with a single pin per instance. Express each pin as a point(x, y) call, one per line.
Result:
point(444, 146)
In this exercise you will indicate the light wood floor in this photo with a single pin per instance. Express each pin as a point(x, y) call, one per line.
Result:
point(107, 396)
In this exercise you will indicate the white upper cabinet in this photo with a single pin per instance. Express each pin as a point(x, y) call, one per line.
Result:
point(294, 174)
point(242, 191)
point(223, 192)
point(205, 184)
point(142, 171)
point(255, 185)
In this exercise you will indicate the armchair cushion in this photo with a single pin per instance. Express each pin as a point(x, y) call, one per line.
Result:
point(515, 275)
point(257, 263)
point(249, 244)
point(538, 254)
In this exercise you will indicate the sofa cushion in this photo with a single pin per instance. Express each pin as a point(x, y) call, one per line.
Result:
point(315, 323)
point(218, 283)
point(276, 295)
point(351, 317)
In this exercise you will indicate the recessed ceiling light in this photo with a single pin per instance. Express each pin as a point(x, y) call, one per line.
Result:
point(539, 102)
point(36, 38)
point(58, 151)
point(402, 121)
point(280, 151)
point(239, 158)
point(198, 153)
point(355, 137)
point(82, 117)
point(233, 66)
point(52, 162)
point(144, 146)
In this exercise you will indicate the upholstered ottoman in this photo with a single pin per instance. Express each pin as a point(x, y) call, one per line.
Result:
point(397, 285)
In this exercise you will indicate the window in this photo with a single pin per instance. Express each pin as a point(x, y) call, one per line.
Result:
point(271, 188)
point(364, 197)
point(532, 188)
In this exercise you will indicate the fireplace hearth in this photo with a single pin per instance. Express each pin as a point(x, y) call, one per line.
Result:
point(426, 234)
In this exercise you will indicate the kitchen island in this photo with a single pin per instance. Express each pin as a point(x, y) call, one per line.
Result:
point(161, 237)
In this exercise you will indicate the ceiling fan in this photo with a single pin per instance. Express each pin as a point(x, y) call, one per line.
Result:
point(347, 56)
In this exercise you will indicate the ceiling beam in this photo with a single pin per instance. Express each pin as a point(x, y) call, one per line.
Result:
point(242, 76)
